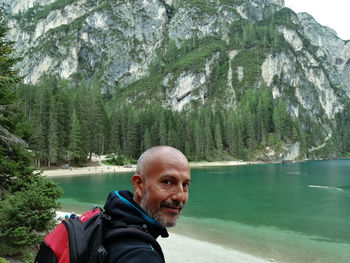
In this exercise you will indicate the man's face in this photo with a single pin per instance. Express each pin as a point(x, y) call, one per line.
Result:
point(165, 186)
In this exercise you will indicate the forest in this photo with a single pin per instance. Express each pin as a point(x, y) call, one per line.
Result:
point(68, 123)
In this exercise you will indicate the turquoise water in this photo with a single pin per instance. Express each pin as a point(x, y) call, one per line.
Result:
point(268, 210)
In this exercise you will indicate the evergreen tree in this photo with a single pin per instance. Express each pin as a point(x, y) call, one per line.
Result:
point(218, 138)
point(114, 132)
point(162, 128)
point(132, 145)
point(81, 106)
point(37, 143)
point(207, 133)
point(228, 134)
point(198, 139)
point(123, 127)
point(282, 121)
point(64, 113)
point(147, 140)
point(49, 127)
point(96, 119)
point(239, 135)
point(27, 200)
point(264, 115)
point(75, 149)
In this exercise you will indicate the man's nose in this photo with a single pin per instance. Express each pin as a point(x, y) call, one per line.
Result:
point(180, 194)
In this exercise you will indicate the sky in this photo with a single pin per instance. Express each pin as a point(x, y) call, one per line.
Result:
point(334, 14)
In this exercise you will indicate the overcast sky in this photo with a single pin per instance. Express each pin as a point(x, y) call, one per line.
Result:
point(334, 14)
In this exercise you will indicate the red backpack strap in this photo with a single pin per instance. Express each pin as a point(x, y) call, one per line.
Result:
point(87, 215)
point(57, 240)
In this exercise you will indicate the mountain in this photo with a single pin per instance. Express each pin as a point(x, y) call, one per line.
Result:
point(185, 54)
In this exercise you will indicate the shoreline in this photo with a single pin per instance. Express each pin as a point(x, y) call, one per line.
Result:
point(102, 168)
point(180, 248)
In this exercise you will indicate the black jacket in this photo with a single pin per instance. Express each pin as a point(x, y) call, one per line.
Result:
point(138, 242)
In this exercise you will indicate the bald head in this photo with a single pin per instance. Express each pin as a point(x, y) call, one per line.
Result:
point(153, 153)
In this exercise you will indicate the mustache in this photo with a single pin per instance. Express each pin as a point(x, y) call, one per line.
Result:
point(170, 203)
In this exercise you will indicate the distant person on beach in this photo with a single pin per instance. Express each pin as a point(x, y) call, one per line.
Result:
point(161, 184)
point(72, 215)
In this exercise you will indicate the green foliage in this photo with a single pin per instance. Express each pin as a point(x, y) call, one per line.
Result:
point(202, 5)
point(282, 121)
point(118, 159)
point(282, 17)
point(343, 129)
point(203, 133)
point(76, 148)
point(32, 15)
point(69, 123)
point(27, 201)
point(2, 260)
point(26, 213)
point(194, 58)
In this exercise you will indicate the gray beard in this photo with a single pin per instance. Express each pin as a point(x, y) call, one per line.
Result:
point(155, 212)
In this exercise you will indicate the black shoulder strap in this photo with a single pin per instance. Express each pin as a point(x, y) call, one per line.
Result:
point(85, 242)
point(77, 240)
point(45, 254)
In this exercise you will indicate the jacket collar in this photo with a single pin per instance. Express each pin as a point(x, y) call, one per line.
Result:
point(120, 205)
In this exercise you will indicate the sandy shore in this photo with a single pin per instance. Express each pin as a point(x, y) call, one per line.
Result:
point(101, 168)
point(182, 249)
point(179, 249)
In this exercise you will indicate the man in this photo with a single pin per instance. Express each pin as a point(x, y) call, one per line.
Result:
point(161, 185)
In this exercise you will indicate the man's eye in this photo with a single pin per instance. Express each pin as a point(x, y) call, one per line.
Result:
point(166, 182)
point(186, 185)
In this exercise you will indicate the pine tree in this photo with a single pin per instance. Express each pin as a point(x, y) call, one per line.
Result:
point(282, 121)
point(228, 134)
point(162, 128)
point(218, 138)
point(114, 132)
point(264, 115)
point(48, 118)
point(207, 133)
point(81, 106)
point(132, 145)
point(64, 112)
point(27, 200)
point(75, 147)
point(198, 139)
point(147, 140)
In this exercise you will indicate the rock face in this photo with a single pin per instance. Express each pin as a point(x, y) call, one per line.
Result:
point(334, 52)
point(117, 42)
point(113, 41)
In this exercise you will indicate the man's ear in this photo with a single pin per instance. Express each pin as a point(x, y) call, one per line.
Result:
point(139, 184)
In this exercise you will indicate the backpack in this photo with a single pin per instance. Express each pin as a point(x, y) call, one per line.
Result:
point(80, 239)
point(75, 240)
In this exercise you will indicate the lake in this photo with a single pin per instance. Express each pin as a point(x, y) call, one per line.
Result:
point(295, 212)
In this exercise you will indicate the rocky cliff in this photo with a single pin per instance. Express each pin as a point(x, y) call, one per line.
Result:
point(184, 53)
